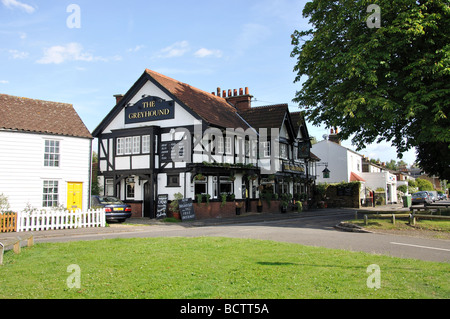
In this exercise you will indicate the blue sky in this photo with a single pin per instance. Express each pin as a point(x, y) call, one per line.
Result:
point(228, 44)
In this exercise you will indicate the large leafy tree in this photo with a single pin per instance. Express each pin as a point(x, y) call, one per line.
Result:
point(390, 82)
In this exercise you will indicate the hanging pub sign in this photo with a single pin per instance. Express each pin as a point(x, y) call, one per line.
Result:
point(150, 108)
point(303, 150)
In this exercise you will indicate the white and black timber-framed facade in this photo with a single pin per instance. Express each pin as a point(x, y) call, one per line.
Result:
point(167, 137)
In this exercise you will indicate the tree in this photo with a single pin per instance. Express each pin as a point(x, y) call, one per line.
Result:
point(94, 178)
point(424, 185)
point(435, 157)
point(392, 165)
point(389, 83)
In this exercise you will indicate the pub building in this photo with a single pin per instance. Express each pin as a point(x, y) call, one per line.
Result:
point(167, 138)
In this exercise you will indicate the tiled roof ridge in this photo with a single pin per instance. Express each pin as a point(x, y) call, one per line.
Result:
point(44, 119)
point(209, 107)
point(37, 100)
point(186, 84)
point(271, 105)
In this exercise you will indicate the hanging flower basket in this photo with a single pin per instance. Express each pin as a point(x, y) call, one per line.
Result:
point(199, 177)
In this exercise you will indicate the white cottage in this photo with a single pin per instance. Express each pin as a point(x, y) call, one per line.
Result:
point(46, 154)
point(347, 165)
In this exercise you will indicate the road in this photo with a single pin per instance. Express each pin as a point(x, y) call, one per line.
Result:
point(307, 229)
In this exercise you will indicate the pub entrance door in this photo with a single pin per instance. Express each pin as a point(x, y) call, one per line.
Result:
point(149, 197)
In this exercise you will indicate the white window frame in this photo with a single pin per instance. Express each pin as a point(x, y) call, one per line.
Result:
point(128, 148)
point(228, 148)
point(220, 146)
point(120, 146)
point(52, 153)
point(50, 193)
point(284, 151)
point(146, 144)
point(266, 148)
point(109, 187)
point(136, 145)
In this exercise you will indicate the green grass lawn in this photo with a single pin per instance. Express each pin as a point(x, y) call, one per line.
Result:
point(178, 268)
point(440, 229)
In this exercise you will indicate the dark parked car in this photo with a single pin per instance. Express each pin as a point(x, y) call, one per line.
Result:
point(421, 198)
point(115, 209)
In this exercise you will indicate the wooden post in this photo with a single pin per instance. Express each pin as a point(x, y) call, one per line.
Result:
point(412, 220)
point(17, 247)
point(356, 215)
point(366, 222)
point(30, 241)
point(393, 219)
point(2, 249)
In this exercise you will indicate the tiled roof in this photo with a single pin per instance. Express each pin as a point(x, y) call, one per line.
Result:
point(213, 109)
point(24, 114)
point(297, 120)
point(356, 178)
point(270, 116)
point(314, 157)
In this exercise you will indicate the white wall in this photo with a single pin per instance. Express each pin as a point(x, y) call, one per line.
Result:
point(354, 163)
point(336, 156)
point(22, 170)
point(384, 180)
point(182, 117)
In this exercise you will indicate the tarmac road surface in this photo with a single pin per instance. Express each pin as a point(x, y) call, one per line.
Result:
point(312, 228)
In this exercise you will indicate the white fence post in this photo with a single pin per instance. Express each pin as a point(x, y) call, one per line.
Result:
point(46, 220)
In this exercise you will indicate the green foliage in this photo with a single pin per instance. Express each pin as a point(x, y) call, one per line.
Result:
point(199, 198)
point(424, 185)
point(390, 83)
point(285, 199)
point(224, 199)
point(4, 203)
point(321, 190)
point(402, 188)
point(412, 183)
point(174, 204)
point(95, 187)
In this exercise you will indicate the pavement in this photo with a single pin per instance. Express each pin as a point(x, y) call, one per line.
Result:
point(243, 218)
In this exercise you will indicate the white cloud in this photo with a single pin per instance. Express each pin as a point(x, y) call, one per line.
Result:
point(203, 52)
point(175, 50)
point(71, 52)
point(15, 54)
point(4, 82)
point(136, 48)
point(11, 4)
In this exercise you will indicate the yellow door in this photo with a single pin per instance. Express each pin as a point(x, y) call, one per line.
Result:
point(74, 195)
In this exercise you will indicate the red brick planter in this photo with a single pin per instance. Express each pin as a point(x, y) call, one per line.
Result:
point(216, 210)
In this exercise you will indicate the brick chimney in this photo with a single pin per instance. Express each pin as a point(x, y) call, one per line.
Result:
point(118, 97)
point(334, 137)
point(241, 101)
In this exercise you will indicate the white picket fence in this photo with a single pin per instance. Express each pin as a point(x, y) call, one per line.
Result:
point(54, 219)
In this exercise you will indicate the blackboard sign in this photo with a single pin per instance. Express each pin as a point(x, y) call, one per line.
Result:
point(344, 191)
point(165, 153)
point(186, 209)
point(161, 206)
point(174, 151)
